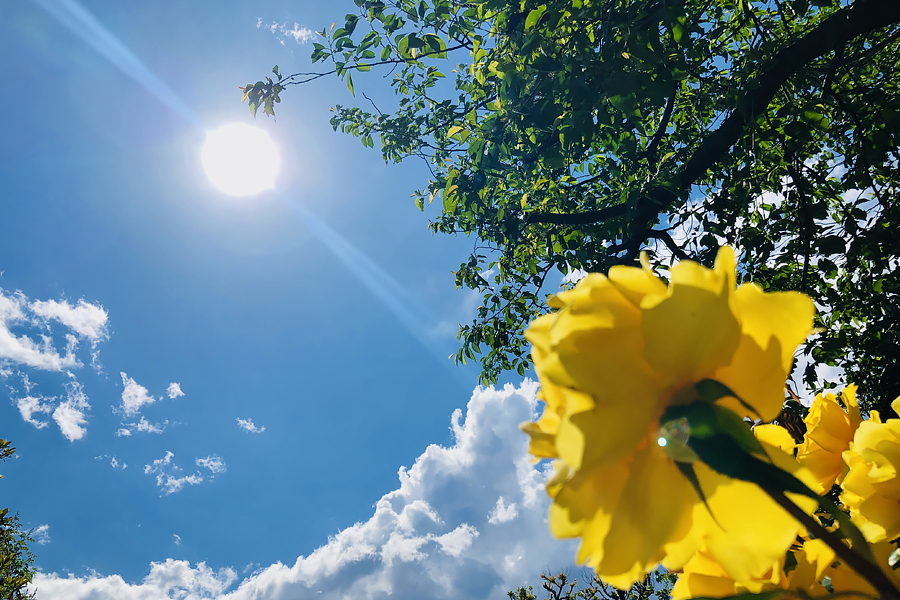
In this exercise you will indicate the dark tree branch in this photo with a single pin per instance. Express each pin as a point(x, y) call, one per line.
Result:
point(665, 238)
point(861, 17)
point(650, 152)
point(354, 66)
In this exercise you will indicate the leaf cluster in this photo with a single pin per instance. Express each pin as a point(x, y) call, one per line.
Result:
point(16, 560)
point(572, 134)
point(655, 586)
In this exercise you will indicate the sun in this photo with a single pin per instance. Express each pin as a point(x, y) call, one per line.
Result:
point(240, 160)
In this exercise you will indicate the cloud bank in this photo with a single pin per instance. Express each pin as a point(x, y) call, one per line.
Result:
point(466, 521)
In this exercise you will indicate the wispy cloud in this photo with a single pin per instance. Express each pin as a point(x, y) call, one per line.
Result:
point(248, 425)
point(283, 31)
point(176, 538)
point(30, 405)
point(213, 463)
point(169, 477)
point(87, 320)
point(26, 351)
point(148, 427)
point(41, 534)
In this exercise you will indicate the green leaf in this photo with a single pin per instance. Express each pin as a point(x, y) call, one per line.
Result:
point(534, 16)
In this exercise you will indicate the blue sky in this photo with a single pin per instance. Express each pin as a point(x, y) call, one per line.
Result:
point(323, 312)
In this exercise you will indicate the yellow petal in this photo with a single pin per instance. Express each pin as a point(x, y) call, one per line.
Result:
point(692, 332)
point(882, 518)
point(655, 508)
point(635, 284)
point(775, 435)
point(747, 532)
point(824, 465)
point(772, 326)
point(696, 585)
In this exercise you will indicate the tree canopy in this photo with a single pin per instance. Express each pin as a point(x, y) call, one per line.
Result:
point(16, 569)
point(572, 134)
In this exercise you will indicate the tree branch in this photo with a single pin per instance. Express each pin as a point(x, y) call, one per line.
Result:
point(664, 237)
point(863, 16)
point(354, 66)
point(650, 152)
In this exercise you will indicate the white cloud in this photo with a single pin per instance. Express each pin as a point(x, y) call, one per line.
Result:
point(87, 320)
point(247, 425)
point(176, 538)
point(172, 579)
point(174, 390)
point(502, 513)
point(69, 415)
point(134, 396)
point(573, 276)
point(148, 427)
point(281, 31)
point(159, 463)
point(23, 350)
point(167, 473)
point(41, 534)
point(123, 432)
point(30, 405)
point(169, 484)
point(115, 463)
point(213, 463)
point(431, 537)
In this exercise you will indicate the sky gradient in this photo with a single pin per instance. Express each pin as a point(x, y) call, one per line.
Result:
point(203, 387)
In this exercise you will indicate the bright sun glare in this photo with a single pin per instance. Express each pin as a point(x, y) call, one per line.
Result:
point(240, 160)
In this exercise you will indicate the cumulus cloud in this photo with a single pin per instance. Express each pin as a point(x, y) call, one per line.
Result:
point(172, 579)
point(134, 396)
point(41, 534)
point(69, 415)
point(123, 432)
point(213, 463)
point(282, 31)
point(247, 425)
point(502, 513)
point(174, 390)
point(431, 537)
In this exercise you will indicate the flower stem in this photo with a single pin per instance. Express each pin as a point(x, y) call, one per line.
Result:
point(867, 570)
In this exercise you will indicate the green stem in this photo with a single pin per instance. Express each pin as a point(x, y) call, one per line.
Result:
point(867, 570)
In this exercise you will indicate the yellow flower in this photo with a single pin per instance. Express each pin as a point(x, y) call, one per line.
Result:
point(829, 431)
point(704, 577)
point(617, 352)
point(845, 580)
point(872, 487)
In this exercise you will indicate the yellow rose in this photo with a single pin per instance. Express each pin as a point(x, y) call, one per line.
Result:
point(846, 581)
point(616, 353)
point(703, 577)
point(872, 487)
point(829, 431)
